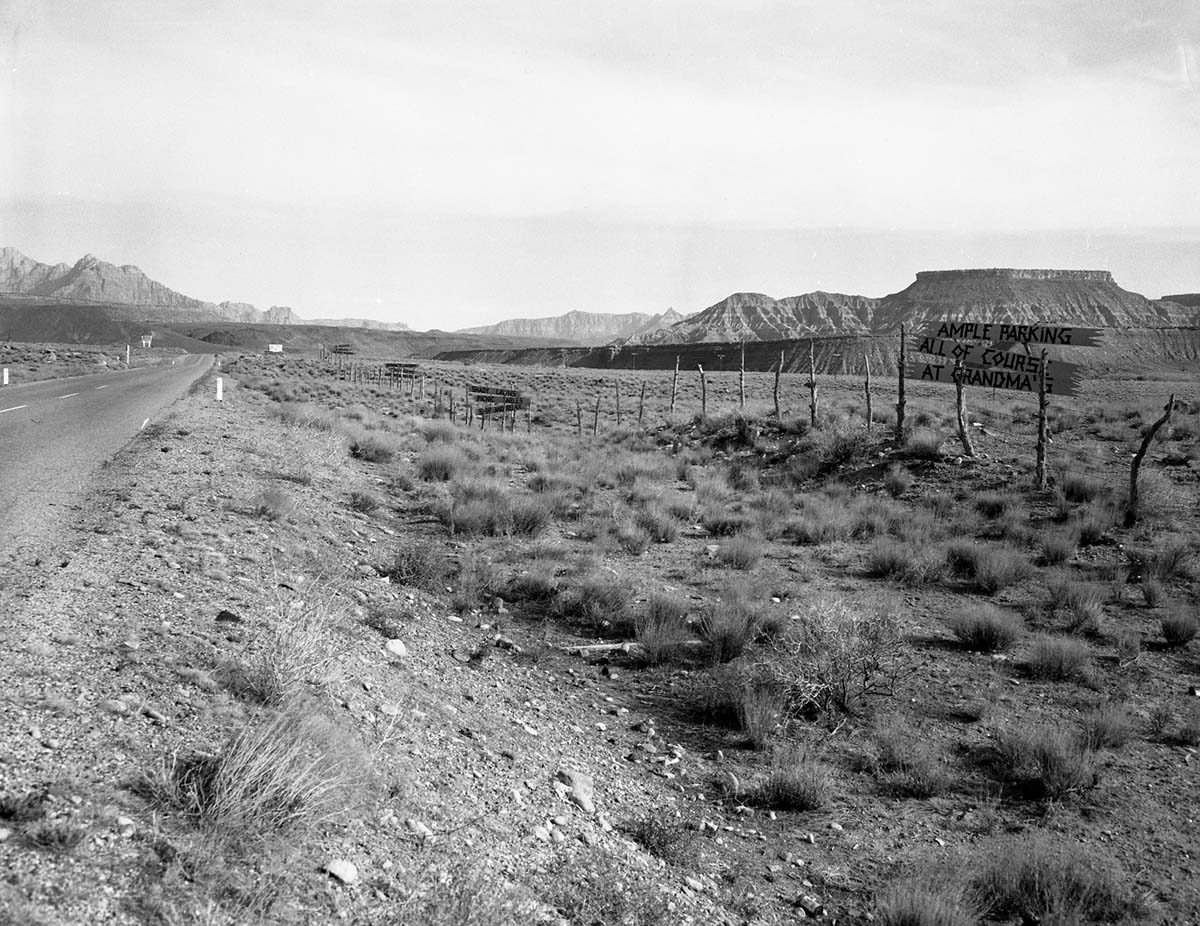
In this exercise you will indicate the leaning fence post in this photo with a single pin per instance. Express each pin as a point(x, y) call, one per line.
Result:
point(642, 403)
point(742, 379)
point(778, 371)
point(596, 417)
point(867, 388)
point(618, 391)
point(812, 386)
point(1131, 511)
point(900, 391)
point(674, 387)
point(579, 418)
point(703, 393)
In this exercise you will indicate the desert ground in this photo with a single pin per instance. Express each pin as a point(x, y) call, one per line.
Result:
point(316, 653)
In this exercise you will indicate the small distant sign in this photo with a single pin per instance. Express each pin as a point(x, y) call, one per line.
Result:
point(1015, 334)
point(993, 378)
point(341, 349)
point(274, 348)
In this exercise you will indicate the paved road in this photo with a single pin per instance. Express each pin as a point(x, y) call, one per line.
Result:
point(54, 435)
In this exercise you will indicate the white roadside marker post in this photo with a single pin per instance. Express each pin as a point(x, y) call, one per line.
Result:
point(5, 377)
point(220, 389)
point(126, 355)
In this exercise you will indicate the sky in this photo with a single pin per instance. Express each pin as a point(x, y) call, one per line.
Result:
point(453, 164)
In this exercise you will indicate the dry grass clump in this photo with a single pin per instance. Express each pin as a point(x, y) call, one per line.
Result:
point(743, 551)
point(1050, 764)
point(909, 903)
point(996, 568)
point(669, 840)
point(984, 628)
point(1057, 548)
point(374, 448)
point(477, 582)
point(1080, 604)
point(660, 524)
point(662, 630)
point(1060, 659)
point(908, 763)
point(923, 444)
point(485, 508)
point(604, 603)
point(306, 415)
point(1169, 561)
point(796, 781)
point(293, 658)
point(632, 538)
point(760, 709)
point(61, 837)
point(725, 523)
point(997, 504)
point(441, 463)
point(1077, 487)
point(1036, 878)
point(897, 480)
point(273, 503)
point(1109, 726)
point(1093, 522)
point(589, 885)
point(298, 769)
point(1179, 627)
point(460, 891)
point(907, 563)
point(438, 431)
point(729, 625)
point(364, 502)
point(417, 565)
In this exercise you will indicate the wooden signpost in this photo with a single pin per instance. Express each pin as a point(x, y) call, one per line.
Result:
point(488, 401)
point(1000, 366)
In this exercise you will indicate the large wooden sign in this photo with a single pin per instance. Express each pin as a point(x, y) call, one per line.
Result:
point(994, 377)
point(988, 357)
point(1016, 334)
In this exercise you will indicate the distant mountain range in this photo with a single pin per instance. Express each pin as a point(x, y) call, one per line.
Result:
point(1078, 297)
point(577, 327)
point(91, 281)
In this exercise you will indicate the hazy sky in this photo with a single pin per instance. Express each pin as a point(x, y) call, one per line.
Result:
point(453, 163)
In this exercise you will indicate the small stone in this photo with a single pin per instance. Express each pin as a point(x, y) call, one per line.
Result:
point(5, 833)
point(711, 550)
point(342, 869)
point(694, 883)
point(418, 828)
point(390, 709)
point(396, 648)
point(556, 836)
point(542, 833)
point(836, 827)
point(228, 617)
point(581, 789)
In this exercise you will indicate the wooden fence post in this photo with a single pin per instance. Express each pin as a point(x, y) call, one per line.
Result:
point(900, 392)
point(703, 393)
point(596, 417)
point(642, 404)
point(617, 387)
point(578, 418)
point(674, 388)
point(742, 380)
point(529, 418)
point(867, 388)
point(1131, 511)
point(1041, 434)
point(960, 410)
point(812, 386)
point(778, 371)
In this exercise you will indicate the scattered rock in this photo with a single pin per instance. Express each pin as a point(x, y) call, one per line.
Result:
point(115, 707)
point(542, 833)
point(810, 905)
point(581, 789)
point(345, 871)
point(836, 827)
point(5, 833)
point(396, 648)
point(228, 617)
point(418, 828)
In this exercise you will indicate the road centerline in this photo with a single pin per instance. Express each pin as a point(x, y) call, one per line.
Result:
point(69, 395)
point(105, 386)
point(13, 409)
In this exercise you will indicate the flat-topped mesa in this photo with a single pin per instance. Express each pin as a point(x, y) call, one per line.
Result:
point(1095, 276)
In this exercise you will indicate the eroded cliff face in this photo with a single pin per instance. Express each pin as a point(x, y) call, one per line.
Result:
point(577, 327)
point(1008, 296)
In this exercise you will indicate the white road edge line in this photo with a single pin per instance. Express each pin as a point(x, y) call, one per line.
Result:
point(144, 423)
point(69, 395)
point(13, 409)
point(105, 386)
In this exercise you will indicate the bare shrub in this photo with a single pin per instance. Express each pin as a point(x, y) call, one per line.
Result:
point(1036, 877)
point(1093, 523)
point(837, 654)
point(906, 562)
point(985, 629)
point(296, 770)
point(1060, 659)
point(1152, 591)
point(909, 764)
point(1170, 560)
point(477, 582)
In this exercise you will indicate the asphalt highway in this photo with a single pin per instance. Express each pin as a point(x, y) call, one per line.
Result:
point(54, 434)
